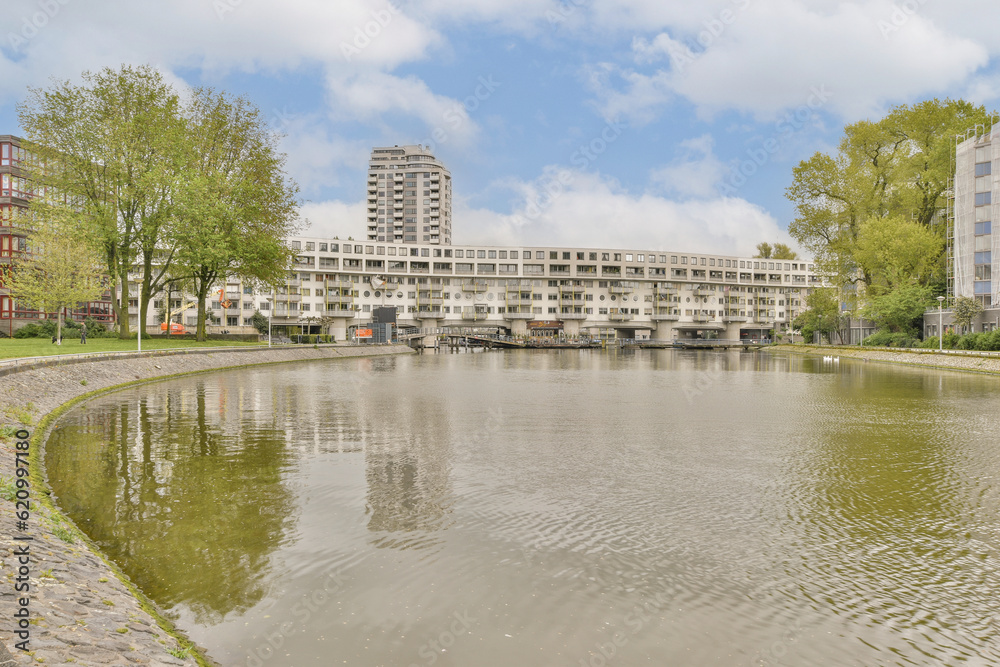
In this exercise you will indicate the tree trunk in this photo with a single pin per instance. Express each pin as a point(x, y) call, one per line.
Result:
point(59, 316)
point(202, 293)
point(121, 308)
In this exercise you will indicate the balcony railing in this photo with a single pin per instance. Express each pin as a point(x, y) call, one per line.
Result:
point(701, 317)
point(474, 286)
point(621, 289)
point(340, 312)
point(620, 317)
point(665, 317)
point(572, 315)
point(430, 314)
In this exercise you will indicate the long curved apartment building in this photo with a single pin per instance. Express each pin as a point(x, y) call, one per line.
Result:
point(598, 292)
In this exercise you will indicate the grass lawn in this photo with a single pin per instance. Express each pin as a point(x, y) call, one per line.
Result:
point(37, 347)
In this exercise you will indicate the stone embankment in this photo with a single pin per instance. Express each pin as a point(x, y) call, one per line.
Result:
point(82, 611)
point(959, 360)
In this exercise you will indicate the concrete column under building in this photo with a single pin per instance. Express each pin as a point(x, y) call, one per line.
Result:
point(732, 331)
point(571, 328)
point(518, 327)
point(430, 340)
point(338, 330)
point(663, 331)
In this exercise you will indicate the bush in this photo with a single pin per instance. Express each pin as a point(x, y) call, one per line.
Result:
point(888, 339)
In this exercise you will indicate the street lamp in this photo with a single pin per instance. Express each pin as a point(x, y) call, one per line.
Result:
point(270, 306)
point(940, 327)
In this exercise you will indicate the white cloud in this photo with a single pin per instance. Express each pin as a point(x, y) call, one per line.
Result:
point(566, 208)
point(768, 56)
point(366, 95)
point(333, 218)
point(696, 173)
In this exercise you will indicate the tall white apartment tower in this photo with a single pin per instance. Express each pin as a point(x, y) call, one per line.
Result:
point(409, 197)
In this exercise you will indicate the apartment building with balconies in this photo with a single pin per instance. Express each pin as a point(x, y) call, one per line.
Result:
point(408, 197)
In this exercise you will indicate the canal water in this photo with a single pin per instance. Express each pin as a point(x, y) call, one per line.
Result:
point(554, 508)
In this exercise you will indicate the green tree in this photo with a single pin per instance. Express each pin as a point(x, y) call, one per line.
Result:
point(822, 315)
point(900, 310)
point(260, 323)
point(965, 310)
point(898, 165)
point(110, 147)
point(764, 250)
point(894, 252)
point(782, 251)
point(235, 206)
point(60, 270)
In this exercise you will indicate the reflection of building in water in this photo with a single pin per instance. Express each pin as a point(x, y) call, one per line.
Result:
point(408, 459)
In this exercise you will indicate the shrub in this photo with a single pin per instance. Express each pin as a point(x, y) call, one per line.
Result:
point(888, 339)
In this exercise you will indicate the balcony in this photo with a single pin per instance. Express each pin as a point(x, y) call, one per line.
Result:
point(293, 282)
point(518, 301)
point(429, 301)
point(571, 315)
point(339, 284)
point(702, 317)
point(621, 289)
point(473, 314)
point(620, 317)
point(430, 314)
point(340, 312)
point(292, 298)
point(339, 298)
point(519, 315)
point(474, 286)
point(665, 317)
point(572, 289)
point(734, 318)
point(703, 291)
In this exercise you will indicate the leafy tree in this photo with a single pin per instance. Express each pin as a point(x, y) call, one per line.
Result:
point(901, 310)
point(965, 310)
point(823, 315)
point(235, 205)
point(110, 148)
point(782, 251)
point(895, 166)
point(260, 323)
point(894, 252)
point(777, 251)
point(60, 270)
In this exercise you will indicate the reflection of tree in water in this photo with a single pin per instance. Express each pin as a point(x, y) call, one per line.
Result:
point(179, 492)
point(407, 469)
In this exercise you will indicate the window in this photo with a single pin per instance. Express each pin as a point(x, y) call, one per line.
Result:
point(984, 198)
point(985, 257)
point(984, 228)
point(984, 169)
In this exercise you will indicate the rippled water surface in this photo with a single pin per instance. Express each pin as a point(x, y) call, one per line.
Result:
point(565, 508)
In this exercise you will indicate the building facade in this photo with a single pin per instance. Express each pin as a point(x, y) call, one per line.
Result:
point(334, 285)
point(15, 191)
point(973, 252)
point(408, 197)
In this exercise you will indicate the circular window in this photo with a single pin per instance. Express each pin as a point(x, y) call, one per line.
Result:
point(377, 293)
point(602, 297)
point(635, 298)
point(367, 294)
point(688, 299)
point(389, 294)
point(489, 296)
point(399, 295)
point(468, 296)
point(614, 298)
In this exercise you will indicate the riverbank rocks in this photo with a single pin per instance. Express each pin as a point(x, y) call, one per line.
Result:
point(80, 612)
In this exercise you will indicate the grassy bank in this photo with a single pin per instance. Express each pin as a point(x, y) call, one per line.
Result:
point(11, 348)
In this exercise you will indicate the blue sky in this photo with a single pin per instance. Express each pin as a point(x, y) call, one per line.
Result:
point(653, 124)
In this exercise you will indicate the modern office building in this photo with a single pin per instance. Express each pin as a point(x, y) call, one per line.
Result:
point(15, 190)
point(409, 197)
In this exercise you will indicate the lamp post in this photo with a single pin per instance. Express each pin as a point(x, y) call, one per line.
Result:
point(940, 326)
point(270, 306)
